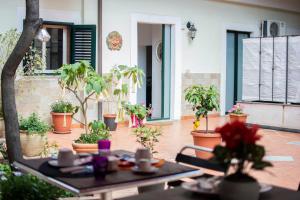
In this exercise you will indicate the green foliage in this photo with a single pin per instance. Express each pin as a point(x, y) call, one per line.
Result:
point(33, 61)
point(34, 125)
point(137, 109)
point(27, 187)
point(147, 137)
point(81, 77)
point(63, 107)
point(118, 88)
point(203, 99)
point(8, 41)
point(98, 131)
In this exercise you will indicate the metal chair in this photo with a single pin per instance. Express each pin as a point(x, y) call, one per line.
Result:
point(195, 161)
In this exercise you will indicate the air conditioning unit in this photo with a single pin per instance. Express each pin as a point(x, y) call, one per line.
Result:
point(273, 28)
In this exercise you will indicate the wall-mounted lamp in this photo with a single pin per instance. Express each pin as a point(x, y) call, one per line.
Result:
point(192, 30)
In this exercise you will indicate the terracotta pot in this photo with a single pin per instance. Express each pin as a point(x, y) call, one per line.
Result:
point(85, 148)
point(110, 121)
point(236, 117)
point(62, 122)
point(32, 144)
point(2, 128)
point(209, 140)
point(239, 189)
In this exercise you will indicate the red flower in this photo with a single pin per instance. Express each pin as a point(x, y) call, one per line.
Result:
point(237, 133)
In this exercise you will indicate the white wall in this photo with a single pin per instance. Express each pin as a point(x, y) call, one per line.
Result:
point(201, 55)
point(207, 52)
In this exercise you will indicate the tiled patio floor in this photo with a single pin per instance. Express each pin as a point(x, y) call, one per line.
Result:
point(177, 134)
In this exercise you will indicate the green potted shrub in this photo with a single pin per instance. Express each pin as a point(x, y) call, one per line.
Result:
point(236, 114)
point(86, 85)
point(62, 113)
point(137, 113)
point(88, 142)
point(147, 137)
point(33, 135)
point(118, 88)
point(203, 99)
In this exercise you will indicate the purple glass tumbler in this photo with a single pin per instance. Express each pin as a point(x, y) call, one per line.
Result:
point(104, 144)
point(100, 164)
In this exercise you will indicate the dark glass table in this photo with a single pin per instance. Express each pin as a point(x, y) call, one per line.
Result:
point(86, 184)
point(179, 193)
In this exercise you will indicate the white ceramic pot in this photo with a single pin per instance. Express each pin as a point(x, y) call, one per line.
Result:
point(32, 144)
point(239, 190)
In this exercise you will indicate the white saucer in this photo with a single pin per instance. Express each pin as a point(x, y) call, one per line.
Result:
point(194, 187)
point(153, 161)
point(137, 170)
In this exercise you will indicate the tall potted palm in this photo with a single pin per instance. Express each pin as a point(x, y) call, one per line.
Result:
point(203, 99)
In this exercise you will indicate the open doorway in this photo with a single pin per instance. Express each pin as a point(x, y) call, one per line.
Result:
point(234, 67)
point(154, 57)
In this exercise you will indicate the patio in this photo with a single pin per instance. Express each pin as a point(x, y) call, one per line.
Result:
point(177, 134)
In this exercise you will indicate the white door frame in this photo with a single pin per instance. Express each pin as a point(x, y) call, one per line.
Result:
point(254, 32)
point(175, 112)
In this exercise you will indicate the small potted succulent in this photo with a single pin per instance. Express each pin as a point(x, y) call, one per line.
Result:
point(62, 112)
point(203, 99)
point(236, 114)
point(242, 153)
point(147, 137)
point(88, 143)
point(137, 113)
point(33, 135)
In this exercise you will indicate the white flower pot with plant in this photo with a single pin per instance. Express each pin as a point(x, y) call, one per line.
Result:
point(240, 154)
point(203, 100)
point(33, 135)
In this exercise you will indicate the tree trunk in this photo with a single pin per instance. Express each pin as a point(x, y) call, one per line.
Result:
point(206, 125)
point(31, 26)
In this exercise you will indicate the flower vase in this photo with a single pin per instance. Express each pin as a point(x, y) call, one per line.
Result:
point(239, 186)
point(134, 121)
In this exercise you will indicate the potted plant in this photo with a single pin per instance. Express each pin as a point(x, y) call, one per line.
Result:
point(119, 90)
point(86, 85)
point(242, 153)
point(33, 135)
point(137, 113)
point(236, 114)
point(147, 137)
point(62, 113)
point(87, 143)
point(203, 99)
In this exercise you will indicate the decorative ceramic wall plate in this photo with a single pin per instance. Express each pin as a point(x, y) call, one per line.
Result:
point(114, 41)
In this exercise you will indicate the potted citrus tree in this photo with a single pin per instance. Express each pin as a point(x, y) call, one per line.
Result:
point(33, 135)
point(203, 99)
point(236, 114)
point(118, 88)
point(86, 85)
point(62, 113)
point(87, 143)
point(242, 153)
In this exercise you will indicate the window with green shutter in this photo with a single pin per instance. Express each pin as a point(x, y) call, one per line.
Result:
point(83, 43)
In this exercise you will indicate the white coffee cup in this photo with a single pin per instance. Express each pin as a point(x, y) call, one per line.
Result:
point(65, 157)
point(142, 153)
point(144, 164)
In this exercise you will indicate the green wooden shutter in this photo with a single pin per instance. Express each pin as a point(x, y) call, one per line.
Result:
point(83, 43)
